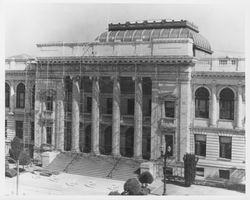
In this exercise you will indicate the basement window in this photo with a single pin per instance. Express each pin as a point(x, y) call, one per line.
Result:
point(200, 171)
point(224, 174)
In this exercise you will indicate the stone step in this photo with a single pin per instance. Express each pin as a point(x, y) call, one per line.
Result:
point(96, 166)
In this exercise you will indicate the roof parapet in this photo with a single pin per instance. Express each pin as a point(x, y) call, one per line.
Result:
point(153, 25)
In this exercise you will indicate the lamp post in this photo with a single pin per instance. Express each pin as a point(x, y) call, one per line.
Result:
point(166, 155)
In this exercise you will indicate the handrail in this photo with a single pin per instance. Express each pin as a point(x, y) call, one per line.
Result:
point(116, 163)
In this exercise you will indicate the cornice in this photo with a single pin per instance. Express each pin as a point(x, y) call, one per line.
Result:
point(217, 130)
point(217, 74)
point(117, 60)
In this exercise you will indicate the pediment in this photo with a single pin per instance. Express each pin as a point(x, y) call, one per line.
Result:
point(167, 96)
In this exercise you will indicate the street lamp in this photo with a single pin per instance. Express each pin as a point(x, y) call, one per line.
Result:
point(166, 156)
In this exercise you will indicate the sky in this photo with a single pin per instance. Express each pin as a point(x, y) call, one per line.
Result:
point(27, 24)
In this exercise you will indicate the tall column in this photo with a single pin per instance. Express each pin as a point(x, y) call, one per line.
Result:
point(60, 117)
point(75, 115)
point(138, 118)
point(239, 108)
point(213, 107)
point(12, 98)
point(116, 118)
point(155, 116)
point(95, 116)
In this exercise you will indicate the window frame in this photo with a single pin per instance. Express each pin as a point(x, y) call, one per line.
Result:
point(169, 110)
point(201, 97)
point(226, 105)
point(109, 104)
point(19, 128)
point(225, 149)
point(7, 95)
point(130, 106)
point(49, 103)
point(20, 96)
point(199, 145)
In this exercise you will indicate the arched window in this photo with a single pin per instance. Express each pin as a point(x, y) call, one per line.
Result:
point(202, 103)
point(20, 97)
point(227, 104)
point(7, 95)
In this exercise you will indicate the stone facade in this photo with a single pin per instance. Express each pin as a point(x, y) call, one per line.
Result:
point(132, 98)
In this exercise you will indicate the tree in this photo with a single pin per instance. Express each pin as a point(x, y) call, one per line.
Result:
point(146, 178)
point(24, 158)
point(15, 151)
point(190, 162)
point(132, 187)
point(16, 148)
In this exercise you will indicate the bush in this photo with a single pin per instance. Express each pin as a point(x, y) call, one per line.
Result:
point(114, 193)
point(132, 186)
point(10, 173)
point(24, 158)
point(144, 191)
point(189, 168)
point(146, 178)
point(16, 148)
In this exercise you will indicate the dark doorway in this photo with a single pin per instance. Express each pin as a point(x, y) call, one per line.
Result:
point(67, 136)
point(87, 146)
point(107, 141)
point(129, 142)
point(169, 139)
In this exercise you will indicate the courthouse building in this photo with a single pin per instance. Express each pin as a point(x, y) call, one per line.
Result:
point(135, 90)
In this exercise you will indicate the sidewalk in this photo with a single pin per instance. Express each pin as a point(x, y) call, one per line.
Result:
point(68, 184)
point(172, 189)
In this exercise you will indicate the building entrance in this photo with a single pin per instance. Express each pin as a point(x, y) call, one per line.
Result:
point(169, 140)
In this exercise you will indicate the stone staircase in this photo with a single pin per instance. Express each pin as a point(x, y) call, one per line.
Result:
point(97, 166)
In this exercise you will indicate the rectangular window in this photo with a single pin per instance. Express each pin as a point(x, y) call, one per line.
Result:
point(89, 105)
point(6, 128)
point(19, 129)
point(109, 105)
point(49, 103)
point(225, 147)
point(222, 62)
point(32, 131)
point(199, 171)
point(200, 145)
point(233, 62)
point(49, 135)
point(224, 174)
point(131, 105)
point(169, 109)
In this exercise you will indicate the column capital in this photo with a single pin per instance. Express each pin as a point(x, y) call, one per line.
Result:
point(136, 78)
point(115, 77)
point(76, 78)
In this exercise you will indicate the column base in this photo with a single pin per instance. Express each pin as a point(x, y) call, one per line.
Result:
point(116, 155)
point(138, 157)
point(95, 153)
point(213, 125)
